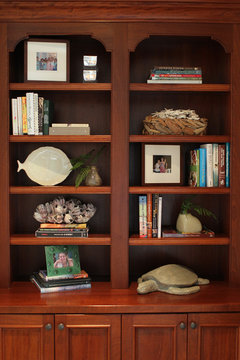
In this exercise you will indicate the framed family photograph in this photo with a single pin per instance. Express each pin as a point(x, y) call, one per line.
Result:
point(46, 60)
point(62, 260)
point(161, 164)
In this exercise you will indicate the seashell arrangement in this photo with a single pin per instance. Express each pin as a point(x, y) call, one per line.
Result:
point(64, 211)
point(174, 122)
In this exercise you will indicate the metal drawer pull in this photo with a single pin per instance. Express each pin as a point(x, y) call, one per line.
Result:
point(48, 326)
point(61, 326)
point(193, 325)
point(182, 325)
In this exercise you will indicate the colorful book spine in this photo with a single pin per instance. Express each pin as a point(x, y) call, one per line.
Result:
point(19, 115)
point(142, 216)
point(40, 115)
point(14, 117)
point(35, 113)
point(24, 115)
point(209, 164)
point(47, 116)
point(221, 165)
point(227, 164)
point(155, 215)
point(202, 167)
point(215, 165)
point(159, 217)
point(30, 113)
point(149, 215)
point(194, 168)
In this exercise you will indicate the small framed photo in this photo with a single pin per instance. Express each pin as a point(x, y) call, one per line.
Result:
point(161, 164)
point(46, 60)
point(62, 260)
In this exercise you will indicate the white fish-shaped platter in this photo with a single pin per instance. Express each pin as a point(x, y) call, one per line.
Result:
point(46, 166)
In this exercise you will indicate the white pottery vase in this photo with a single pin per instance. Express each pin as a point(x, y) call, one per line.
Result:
point(187, 223)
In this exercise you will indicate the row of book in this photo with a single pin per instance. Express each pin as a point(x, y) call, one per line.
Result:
point(49, 284)
point(175, 75)
point(150, 220)
point(210, 166)
point(31, 114)
point(62, 230)
point(150, 216)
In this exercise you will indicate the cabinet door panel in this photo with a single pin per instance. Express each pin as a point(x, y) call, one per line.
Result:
point(216, 337)
point(154, 337)
point(88, 337)
point(26, 337)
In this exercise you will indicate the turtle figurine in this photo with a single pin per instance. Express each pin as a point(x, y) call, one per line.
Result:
point(172, 279)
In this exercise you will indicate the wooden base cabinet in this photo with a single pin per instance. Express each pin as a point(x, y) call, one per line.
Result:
point(88, 337)
point(26, 337)
point(75, 337)
point(181, 336)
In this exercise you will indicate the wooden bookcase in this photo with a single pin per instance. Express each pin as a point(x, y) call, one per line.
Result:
point(129, 38)
point(115, 107)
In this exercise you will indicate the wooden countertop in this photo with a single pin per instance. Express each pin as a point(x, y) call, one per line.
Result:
point(26, 298)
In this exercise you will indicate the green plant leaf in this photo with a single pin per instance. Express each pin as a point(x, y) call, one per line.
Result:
point(82, 175)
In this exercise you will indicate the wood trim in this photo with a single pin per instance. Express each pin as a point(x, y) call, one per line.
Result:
point(61, 138)
point(218, 240)
point(181, 87)
point(63, 11)
point(234, 260)
point(29, 239)
point(60, 190)
point(178, 190)
point(19, 31)
point(120, 159)
point(4, 161)
point(219, 32)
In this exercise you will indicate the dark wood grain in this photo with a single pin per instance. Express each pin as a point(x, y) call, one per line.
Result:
point(119, 159)
point(101, 298)
point(28, 239)
point(120, 11)
point(26, 337)
point(95, 337)
point(4, 161)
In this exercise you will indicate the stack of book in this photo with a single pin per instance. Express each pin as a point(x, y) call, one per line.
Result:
point(210, 166)
point(48, 284)
point(174, 233)
point(150, 216)
point(175, 75)
point(31, 115)
point(62, 230)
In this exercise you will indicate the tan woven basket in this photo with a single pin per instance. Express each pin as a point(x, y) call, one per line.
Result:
point(157, 126)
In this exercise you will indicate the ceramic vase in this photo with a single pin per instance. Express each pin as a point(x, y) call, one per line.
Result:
point(93, 178)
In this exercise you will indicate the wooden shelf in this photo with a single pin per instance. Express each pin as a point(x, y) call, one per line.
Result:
point(181, 87)
point(178, 190)
point(60, 190)
point(24, 297)
point(179, 139)
point(49, 86)
point(29, 239)
point(217, 240)
point(60, 138)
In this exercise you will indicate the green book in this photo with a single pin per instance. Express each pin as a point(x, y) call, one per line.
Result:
point(47, 115)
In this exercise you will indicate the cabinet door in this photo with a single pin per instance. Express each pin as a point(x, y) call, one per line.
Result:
point(154, 337)
point(213, 336)
point(87, 337)
point(26, 337)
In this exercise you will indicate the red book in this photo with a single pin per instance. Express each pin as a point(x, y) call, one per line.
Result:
point(149, 215)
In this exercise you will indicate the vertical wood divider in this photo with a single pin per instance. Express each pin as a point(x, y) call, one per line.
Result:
point(4, 162)
point(120, 159)
point(234, 259)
